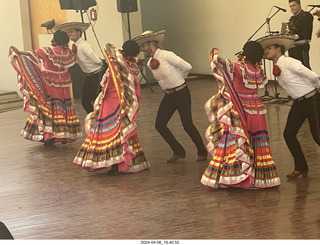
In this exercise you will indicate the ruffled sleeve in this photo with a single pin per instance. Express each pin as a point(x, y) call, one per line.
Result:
point(252, 78)
point(58, 56)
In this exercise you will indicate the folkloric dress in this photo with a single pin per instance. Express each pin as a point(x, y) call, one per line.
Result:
point(111, 127)
point(44, 82)
point(238, 137)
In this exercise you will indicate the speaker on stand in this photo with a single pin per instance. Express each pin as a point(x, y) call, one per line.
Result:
point(78, 5)
point(76, 73)
point(128, 6)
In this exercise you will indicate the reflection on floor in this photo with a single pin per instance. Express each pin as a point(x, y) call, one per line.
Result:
point(43, 195)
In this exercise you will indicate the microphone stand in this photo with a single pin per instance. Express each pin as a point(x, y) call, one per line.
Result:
point(276, 96)
point(266, 22)
point(266, 96)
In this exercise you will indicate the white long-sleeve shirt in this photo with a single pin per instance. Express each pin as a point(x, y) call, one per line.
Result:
point(295, 78)
point(86, 58)
point(172, 69)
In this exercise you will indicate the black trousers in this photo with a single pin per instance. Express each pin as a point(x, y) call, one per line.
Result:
point(301, 53)
point(299, 112)
point(180, 101)
point(90, 90)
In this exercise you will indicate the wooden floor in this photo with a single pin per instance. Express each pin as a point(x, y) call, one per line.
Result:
point(43, 195)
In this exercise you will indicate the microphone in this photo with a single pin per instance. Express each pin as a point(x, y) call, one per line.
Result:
point(284, 10)
point(314, 6)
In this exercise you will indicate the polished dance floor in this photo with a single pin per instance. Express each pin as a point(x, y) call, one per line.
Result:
point(43, 195)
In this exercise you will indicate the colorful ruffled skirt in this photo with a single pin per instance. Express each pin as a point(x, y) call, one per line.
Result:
point(51, 110)
point(111, 127)
point(238, 142)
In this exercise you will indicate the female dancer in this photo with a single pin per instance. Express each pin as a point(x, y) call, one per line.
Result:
point(112, 130)
point(238, 136)
point(44, 82)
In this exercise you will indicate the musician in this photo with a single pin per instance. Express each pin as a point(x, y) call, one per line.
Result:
point(301, 23)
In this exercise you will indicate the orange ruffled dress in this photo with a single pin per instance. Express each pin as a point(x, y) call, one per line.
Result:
point(238, 137)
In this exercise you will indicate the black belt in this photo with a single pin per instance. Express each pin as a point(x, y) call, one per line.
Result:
point(176, 89)
point(308, 95)
point(301, 42)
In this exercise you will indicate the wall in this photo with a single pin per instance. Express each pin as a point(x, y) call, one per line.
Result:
point(110, 27)
point(12, 35)
point(193, 28)
point(42, 11)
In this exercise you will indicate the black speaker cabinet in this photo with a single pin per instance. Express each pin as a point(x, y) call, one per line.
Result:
point(4, 232)
point(77, 4)
point(126, 6)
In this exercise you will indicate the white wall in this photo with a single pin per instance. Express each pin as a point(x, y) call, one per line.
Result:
point(110, 26)
point(194, 27)
point(12, 35)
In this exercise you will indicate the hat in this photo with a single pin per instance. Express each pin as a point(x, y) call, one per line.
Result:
point(75, 25)
point(157, 36)
point(286, 41)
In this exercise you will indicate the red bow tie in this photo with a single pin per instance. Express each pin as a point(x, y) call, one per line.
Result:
point(74, 48)
point(276, 70)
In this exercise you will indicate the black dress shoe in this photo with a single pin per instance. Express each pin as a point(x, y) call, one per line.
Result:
point(49, 142)
point(114, 169)
point(175, 158)
point(295, 174)
point(201, 158)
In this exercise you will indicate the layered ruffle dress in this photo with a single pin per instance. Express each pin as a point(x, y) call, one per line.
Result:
point(44, 82)
point(237, 136)
point(111, 128)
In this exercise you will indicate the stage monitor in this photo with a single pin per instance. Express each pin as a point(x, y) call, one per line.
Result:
point(77, 4)
point(127, 6)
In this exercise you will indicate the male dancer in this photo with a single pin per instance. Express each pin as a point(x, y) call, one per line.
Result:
point(88, 61)
point(302, 85)
point(170, 70)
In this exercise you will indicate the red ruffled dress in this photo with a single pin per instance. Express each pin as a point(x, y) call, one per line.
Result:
point(111, 127)
point(44, 81)
point(238, 137)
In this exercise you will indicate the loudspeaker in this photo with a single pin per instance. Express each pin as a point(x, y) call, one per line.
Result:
point(126, 6)
point(77, 4)
point(4, 232)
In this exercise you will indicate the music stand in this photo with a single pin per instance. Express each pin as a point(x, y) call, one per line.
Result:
point(266, 96)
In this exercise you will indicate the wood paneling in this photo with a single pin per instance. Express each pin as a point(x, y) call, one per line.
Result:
point(42, 11)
